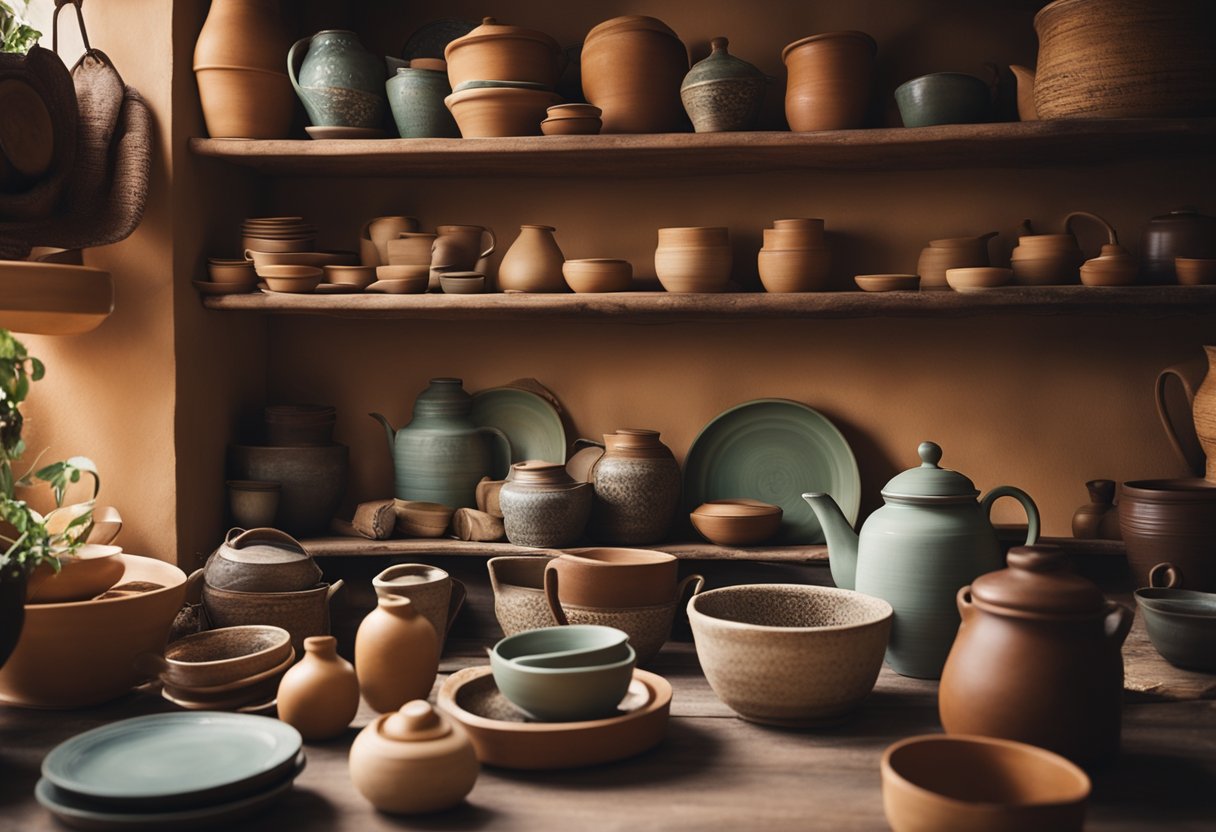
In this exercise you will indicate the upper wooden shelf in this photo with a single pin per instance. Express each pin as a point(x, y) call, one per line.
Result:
point(1070, 300)
point(1012, 144)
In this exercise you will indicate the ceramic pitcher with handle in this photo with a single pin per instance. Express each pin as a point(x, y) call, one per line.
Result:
point(1198, 383)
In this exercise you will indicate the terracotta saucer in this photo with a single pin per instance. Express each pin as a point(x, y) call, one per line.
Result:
point(978, 278)
point(345, 133)
point(206, 287)
point(504, 737)
point(888, 282)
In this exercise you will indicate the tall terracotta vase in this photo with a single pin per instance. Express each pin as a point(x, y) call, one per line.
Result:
point(240, 65)
point(320, 695)
point(830, 81)
point(533, 263)
point(396, 654)
point(1204, 410)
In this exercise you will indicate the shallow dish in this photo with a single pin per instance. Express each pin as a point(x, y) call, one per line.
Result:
point(398, 287)
point(294, 279)
point(574, 111)
point(598, 274)
point(224, 655)
point(359, 277)
point(887, 282)
point(531, 424)
point(52, 298)
point(206, 287)
point(462, 283)
point(89, 572)
point(978, 278)
point(1195, 272)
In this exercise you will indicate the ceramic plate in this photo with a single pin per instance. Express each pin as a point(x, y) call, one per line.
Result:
point(182, 757)
point(774, 450)
point(531, 424)
point(206, 287)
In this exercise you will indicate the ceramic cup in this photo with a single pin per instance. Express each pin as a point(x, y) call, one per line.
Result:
point(377, 232)
point(613, 577)
point(435, 594)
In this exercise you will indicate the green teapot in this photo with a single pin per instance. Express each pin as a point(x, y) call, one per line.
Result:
point(930, 538)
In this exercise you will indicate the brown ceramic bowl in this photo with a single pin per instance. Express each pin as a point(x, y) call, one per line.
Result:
point(574, 111)
point(254, 243)
point(1170, 521)
point(736, 524)
point(462, 283)
point(231, 271)
point(294, 279)
point(887, 282)
point(978, 277)
point(500, 111)
point(317, 259)
point(401, 280)
point(605, 577)
point(358, 276)
point(84, 575)
point(1195, 272)
point(416, 518)
point(794, 269)
point(570, 126)
point(978, 784)
point(599, 274)
point(225, 655)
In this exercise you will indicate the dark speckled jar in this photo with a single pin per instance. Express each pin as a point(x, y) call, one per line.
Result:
point(340, 83)
point(722, 93)
point(542, 506)
point(637, 489)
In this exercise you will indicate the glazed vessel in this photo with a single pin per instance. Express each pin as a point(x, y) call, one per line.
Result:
point(396, 654)
point(414, 761)
point(533, 263)
point(339, 82)
point(930, 537)
point(1099, 518)
point(722, 93)
point(943, 98)
point(696, 259)
point(542, 505)
point(637, 489)
point(261, 560)
point(495, 50)
point(1181, 624)
point(415, 97)
point(1170, 521)
point(951, 253)
point(632, 68)
point(1037, 659)
point(613, 577)
point(434, 593)
point(1052, 259)
point(1181, 233)
point(830, 80)
point(320, 695)
point(440, 455)
point(488, 112)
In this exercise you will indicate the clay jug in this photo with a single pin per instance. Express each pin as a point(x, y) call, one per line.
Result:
point(533, 263)
point(1051, 259)
point(637, 489)
point(459, 248)
point(1037, 659)
point(1191, 375)
point(831, 76)
point(340, 83)
point(1099, 518)
point(632, 67)
point(440, 456)
point(396, 654)
point(1181, 233)
point(320, 695)
point(1204, 409)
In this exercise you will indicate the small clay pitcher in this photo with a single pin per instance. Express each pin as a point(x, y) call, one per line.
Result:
point(339, 82)
point(437, 595)
point(1204, 410)
point(533, 263)
point(396, 654)
point(637, 488)
point(1099, 518)
point(1037, 659)
point(320, 695)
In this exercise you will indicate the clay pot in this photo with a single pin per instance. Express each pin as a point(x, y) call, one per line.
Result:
point(808, 233)
point(1170, 521)
point(533, 263)
point(415, 97)
point(340, 83)
point(1204, 410)
point(319, 696)
point(1037, 659)
point(261, 560)
point(632, 68)
point(722, 93)
point(1099, 518)
point(413, 761)
point(830, 80)
point(696, 259)
point(312, 479)
point(570, 126)
point(943, 98)
point(637, 489)
point(238, 64)
point(542, 506)
point(1181, 233)
point(303, 614)
point(740, 522)
point(1052, 259)
point(460, 248)
point(1113, 267)
point(951, 253)
point(595, 275)
point(1125, 59)
point(612, 577)
point(293, 425)
point(496, 51)
point(396, 654)
point(794, 269)
point(85, 574)
point(410, 248)
point(489, 112)
point(375, 234)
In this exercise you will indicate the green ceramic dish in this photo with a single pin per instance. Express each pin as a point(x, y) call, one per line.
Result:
point(1182, 631)
point(577, 645)
point(773, 450)
point(532, 425)
point(943, 98)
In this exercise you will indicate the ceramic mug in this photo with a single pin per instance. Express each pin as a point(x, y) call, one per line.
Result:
point(603, 577)
point(375, 234)
point(434, 593)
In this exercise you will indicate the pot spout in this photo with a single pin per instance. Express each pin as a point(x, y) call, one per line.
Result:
point(842, 540)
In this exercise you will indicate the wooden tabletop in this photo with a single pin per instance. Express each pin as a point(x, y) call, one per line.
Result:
point(713, 770)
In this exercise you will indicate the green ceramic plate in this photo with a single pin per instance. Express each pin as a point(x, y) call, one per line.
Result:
point(531, 423)
point(171, 758)
point(774, 450)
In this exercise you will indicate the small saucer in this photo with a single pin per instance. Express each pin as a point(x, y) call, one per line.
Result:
point(207, 287)
point(888, 282)
point(345, 133)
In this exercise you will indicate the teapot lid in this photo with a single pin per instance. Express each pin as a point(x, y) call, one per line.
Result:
point(929, 483)
point(1038, 579)
point(720, 66)
point(262, 545)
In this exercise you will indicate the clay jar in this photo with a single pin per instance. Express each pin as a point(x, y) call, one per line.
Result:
point(632, 68)
point(533, 263)
point(1181, 233)
point(339, 82)
point(722, 93)
point(415, 97)
point(613, 577)
point(1037, 659)
point(375, 234)
point(497, 52)
point(794, 258)
point(696, 259)
point(410, 248)
point(951, 253)
point(1099, 518)
point(1051, 259)
point(413, 761)
point(830, 79)
point(637, 488)
point(396, 654)
point(320, 695)
point(460, 247)
point(542, 506)
point(1170, 521)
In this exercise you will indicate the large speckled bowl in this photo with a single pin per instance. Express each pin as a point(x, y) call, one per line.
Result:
point(787, 654)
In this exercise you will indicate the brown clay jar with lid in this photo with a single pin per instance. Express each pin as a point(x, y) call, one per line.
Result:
point(413, 761)
point(543, 506)
point(396, 654)
point(632, 68)
point(497, 52)
point(320, 695)
point(637, 489)
point(1038, 659)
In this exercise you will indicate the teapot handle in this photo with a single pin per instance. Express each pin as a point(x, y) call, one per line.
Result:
point(1190, 376)
point(965, 606)
point(239, 538)
point(1165, 576)
point(555, 606)
point(1117, 621)
point(1032, 511)
point(1111, 237)
point(503, 446)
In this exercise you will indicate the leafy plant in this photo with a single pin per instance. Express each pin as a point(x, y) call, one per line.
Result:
point(15, 34)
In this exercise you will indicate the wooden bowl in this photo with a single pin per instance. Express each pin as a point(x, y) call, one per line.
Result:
point(570, 126)
point(1193, 271)
point(416, 518)
point(887, 282)
point(500, 111)
point(978, 278)
point(598, 275)
point(728, 523)
point(86, 574)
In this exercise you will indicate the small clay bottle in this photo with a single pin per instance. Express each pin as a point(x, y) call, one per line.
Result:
point(533, 263)
point(320, 695)
point(1099, 518)
point(413, 761)
point(396, 654)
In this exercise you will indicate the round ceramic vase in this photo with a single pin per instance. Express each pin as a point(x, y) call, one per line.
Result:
point(637, 489)
point(339, 82)
point(415, 97)
point(533, 263)
point(320, 695)
point(396, 654)
point(722, 93)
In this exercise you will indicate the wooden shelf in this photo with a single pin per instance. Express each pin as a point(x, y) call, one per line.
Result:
point(1013, 144)
point(1048, 300)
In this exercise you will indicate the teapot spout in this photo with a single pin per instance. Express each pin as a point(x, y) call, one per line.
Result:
point(389, 430)
point(842, 540)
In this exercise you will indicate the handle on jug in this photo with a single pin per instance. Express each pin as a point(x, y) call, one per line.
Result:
point(1165, 576)
point(502, 447)
point(555, 605)
point(291, 63)
point(1190, 377)
point(239, 538)
point(1032, 511)
point(493, 243)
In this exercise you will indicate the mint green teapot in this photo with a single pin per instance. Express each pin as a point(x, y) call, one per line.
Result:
point(930, 538)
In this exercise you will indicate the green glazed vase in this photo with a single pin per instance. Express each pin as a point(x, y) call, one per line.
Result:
point(416, 98)
point(339, 82)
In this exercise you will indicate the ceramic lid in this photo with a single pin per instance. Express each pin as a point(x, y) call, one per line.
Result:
point(629, 23)
point(417, 721)
point(720, 66)
point(929, 483)
point(1039, 579)
point(491, 29)
point(538, 472)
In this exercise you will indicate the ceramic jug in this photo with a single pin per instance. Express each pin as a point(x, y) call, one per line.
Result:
point(543, 506)
point(1191, 376)
point(1181, 233)
point(440, 456)
point(320, 695)
point(722, 92)
point(1051, 259)
point(339, 82)
point(637, 488)
point(533, 263)
point(396, 654)
point(1037, 659)
point(1099, 518)
point(930, 538)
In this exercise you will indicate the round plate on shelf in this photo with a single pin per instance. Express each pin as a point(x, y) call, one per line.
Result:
point(345, 132)
point(532, 424)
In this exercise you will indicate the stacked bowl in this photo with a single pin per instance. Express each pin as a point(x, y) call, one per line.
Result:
point(226, 669)
point(1181, 623)
point(277, 234)
point(572, 120)
point(794, 257)
point(695, 259)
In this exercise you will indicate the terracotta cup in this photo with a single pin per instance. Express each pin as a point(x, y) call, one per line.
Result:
point(460, 247)
point(613, 577)
point(377, 232)
point(830, 79)
point(435, 594)
point(1170, 521)
point(410, 248)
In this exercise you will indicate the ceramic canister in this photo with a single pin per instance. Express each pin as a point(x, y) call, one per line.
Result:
point(339, 82)
point(637, 488)
point(543, 506)
point(415, 97)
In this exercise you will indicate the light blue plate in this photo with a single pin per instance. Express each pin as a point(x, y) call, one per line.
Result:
point(533, 426)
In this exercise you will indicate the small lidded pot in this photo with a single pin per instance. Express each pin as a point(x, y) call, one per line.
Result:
point(1038, 659)
point(722, 93)
point(413, 761)
point(543, 506)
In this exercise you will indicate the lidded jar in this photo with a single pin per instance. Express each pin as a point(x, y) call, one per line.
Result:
point(1038, 659)
point(396, 654)
point(722, 93)
point(543, 506)
point(413, 761)
point(319, 696)
point(497, 52)
point(637, 489)
point(632, 67)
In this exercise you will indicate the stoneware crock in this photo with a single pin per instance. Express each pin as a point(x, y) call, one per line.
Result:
point(1181, 233)
point(722, 93)
point(543, 506)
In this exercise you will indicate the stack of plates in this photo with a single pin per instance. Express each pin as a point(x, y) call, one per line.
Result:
point(278, 234)
point(180, 771)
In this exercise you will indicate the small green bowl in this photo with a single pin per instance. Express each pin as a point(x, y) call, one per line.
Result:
point(943, 98)
point(1182, 629)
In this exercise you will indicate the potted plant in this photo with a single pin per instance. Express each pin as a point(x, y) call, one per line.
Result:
point(27, 539)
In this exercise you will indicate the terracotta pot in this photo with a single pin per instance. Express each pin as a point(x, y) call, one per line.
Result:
point(312, 479)
point(1037, 659)
point(542, 506)
point(794, 269)
point(570, 126)
point(533, 263)
point(320, 695)
point(396, 654)
point(808, 232)
point(1181, 233)
point(375, 234)
point(830, 80)
point(637, 489)
point(696, 259)
point(1125, 59)
point(496, 51)
point(613, 577)
point(595, 275)
point(1170, 521)
point(951, 253)
point(723, 93)
point(1204, 409)
point(632, 68)
point(1099, 518)
point(340, 83)
point(490, 112)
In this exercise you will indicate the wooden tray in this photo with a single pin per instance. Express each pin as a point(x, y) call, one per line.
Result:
point(504, 737)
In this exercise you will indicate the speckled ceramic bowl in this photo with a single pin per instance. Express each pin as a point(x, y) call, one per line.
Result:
point(787, 654)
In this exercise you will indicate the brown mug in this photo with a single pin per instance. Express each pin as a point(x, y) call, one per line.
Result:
point(603, 577)
point(1170, 521)
point(459, 247)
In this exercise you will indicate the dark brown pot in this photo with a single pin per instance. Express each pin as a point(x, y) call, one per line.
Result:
point(1037, 659)
point(1171, 521)
point(12, 612)
point(312, 480)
